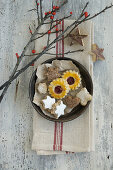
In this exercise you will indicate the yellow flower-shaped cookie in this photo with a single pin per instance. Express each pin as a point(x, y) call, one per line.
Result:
point(72, 78)
point(59, 88)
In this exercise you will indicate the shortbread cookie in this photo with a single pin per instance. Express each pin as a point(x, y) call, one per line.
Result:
point(42, 88)
point(84, 96)
point(58, 109)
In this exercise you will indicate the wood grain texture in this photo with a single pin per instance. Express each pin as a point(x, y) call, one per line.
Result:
point(16, 112)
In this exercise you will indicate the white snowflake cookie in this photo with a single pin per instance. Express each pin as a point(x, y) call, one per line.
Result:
point(84, 96)
point(58, 109)
point(48, 102)
point(42, 88)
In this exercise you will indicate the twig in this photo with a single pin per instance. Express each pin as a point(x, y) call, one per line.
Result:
point(41, 12)
point(107, 7)
point(68, 52)
point(49, 34)
point(38, 12)
point(65, 2)
point(32, 10)
point(58, 20)
point(19, 60)
point(30, 30)
point(45, 34)
point(82, 13)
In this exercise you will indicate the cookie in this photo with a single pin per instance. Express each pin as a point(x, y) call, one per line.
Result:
point(42, 88)
point(71, 101)
point(58, 88)
point(58, 109)
point(84, 96)
point(52, 73)
point(73, 79)
point(47, 103)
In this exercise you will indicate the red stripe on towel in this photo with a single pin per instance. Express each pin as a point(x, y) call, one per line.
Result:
point(55, 129)
point(60, 43)
point(58, 128)
point(63, 39)
point(61, 137)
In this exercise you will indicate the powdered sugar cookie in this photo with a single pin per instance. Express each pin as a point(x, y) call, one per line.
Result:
point(47, 103)
point(58, 109)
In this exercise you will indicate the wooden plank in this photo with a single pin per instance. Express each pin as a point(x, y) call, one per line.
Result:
point(16, 115)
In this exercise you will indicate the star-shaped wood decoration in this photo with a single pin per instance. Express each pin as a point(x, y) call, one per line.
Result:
point(77, 37)
point(97, 53)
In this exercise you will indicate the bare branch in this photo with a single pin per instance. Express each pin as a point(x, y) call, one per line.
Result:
point(41, 12)
point(68, 52)
point(32, 10)
point(82, 13)
point(106, 8)
point(37, 6)
point(15, 74)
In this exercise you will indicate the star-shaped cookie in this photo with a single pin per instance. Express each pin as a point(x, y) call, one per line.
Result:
point(84, 96)
point(58, 109)
point(97, 53)
point(48, 102)
point(77, 37)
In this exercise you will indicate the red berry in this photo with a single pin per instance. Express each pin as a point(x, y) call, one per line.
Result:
point(49, 12)
point(51, 17)
point(54, 13)
point(57, 7)
point(17, 55)
point(30, 31)
point(45, 13)
point(37, 3)
point(56, 29)
point(32, 64)
point(33, 51)
point(49, 32)
point(86, 14)
point(71, 13)
point(55, 25)
point(60, 22)
point(45, 47)
point(54, 7)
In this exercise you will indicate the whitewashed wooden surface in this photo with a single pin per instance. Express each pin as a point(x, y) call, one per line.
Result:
point(16, 111)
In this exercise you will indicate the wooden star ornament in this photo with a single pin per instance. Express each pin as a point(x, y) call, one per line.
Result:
point(97, 53)
point(77, 37)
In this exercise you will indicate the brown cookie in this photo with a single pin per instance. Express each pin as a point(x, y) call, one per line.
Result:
point(71, 101)
point(52, 73)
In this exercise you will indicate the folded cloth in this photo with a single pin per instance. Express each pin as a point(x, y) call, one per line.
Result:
point(76, 135)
